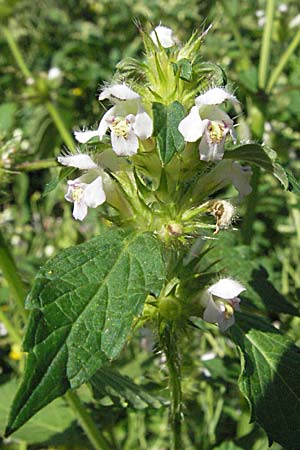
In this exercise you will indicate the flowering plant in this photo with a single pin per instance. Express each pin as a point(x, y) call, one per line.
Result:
point(158, 171)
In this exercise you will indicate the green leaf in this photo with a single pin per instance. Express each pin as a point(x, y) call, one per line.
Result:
point(109, 382)
point(166, 120)
point(84, 302)
point(186, 69)
point(294, 185)
point(261, 156)
point(64, 173)
point(270, 373)
point(54, 419)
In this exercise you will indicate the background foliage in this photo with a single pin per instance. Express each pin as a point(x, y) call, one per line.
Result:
point(85, 40)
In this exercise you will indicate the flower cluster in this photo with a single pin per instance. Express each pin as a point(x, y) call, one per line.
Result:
point(142, 179)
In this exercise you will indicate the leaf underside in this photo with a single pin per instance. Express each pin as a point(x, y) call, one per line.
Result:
point(83, 305)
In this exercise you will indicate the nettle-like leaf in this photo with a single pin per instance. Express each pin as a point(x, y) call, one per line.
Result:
point(270, 378)
point(83, 305)
point(166, 120)
point(121, 389)
point(261, 156)
point(53, 420)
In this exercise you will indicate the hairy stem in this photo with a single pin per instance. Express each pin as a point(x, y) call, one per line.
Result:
point(282, 62)
point(170, 348)
point(16, 52)
point(94, 435)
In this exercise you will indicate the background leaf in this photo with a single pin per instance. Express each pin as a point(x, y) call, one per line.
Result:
point(270, 378)
point(84, 301)
point(263, 157)
point(108, 381)
point(166, 120)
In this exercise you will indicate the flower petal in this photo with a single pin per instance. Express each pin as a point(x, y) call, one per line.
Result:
point(215, 96)
point(118, 92)
point(80, 210)
point(84, 136)
point(226, 322)
point(125, 147)
point(214, 113)
point(94, 194)
point(104, 122)
point(226, 288)
point(212, 313)
point(80, 161)
point(143, 125)
point(211, 151)
point(192, 127)
point(164, 35)
point(69, 194)
point(240, 177)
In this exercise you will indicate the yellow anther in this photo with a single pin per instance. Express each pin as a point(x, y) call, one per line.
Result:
point(77, 193)
point(216, 132)
point(121, 127)
point(229, 310)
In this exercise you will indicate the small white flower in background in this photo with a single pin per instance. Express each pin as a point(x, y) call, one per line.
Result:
point(164, 35)
point(220, 301)
point(54, 73)
point(86, 191)
point(208, 122)
point(282, 7)
point(127, 120)
point(295, 22)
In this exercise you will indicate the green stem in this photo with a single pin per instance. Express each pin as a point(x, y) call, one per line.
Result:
point(282, 62)
point(59, 123)
point(13, 333)
point(10, 273)
point(171, 352)
point(237, 35)
point(94, 435)
point(247, 228)
point(16, 52)
point(29, 166)
point(53, 111)
point(266, 45)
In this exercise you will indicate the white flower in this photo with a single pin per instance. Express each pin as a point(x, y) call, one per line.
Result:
point(127, 121)
point(210, 123)
point(240, 177)
point(86, 191)
point(220, 301)
point(164, 35)
point(54, 73)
